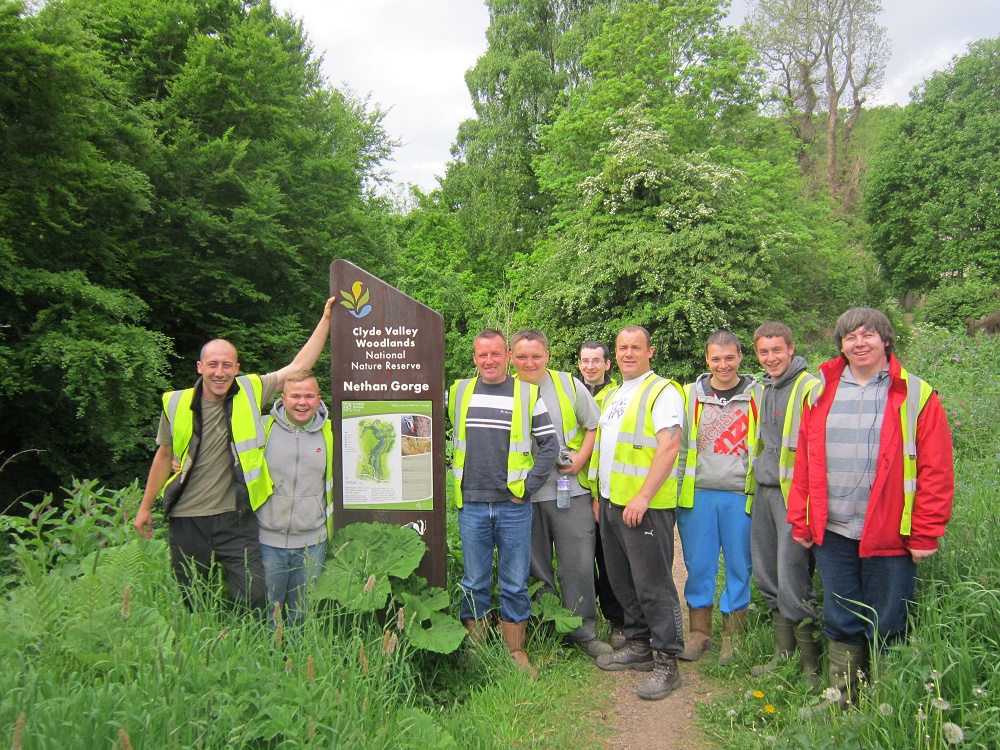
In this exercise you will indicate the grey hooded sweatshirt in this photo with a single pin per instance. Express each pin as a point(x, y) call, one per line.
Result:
point(773, 406)
point(295, 513)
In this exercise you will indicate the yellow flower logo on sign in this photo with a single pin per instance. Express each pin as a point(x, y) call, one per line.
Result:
point(357, 303)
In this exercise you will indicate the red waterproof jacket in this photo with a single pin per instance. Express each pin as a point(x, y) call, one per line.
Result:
point(807, 501)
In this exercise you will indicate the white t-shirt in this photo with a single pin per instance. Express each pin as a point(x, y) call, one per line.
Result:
point(668, 411)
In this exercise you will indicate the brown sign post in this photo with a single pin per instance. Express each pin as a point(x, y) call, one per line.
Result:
point(387, 372)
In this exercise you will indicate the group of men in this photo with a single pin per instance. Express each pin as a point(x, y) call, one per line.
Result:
point(850, 472)
point(856, 461)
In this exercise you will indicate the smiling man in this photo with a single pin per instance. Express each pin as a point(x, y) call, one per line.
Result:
point(496, 418)
point(872, 490)
point(714, 514)
point(213, 434)
point(782, 569)
point(566, 525)
point(634, 471)
point(295, 518)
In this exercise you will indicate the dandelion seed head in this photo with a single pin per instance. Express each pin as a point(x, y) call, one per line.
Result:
point(941, 704)
point(731, 713)
point(929, 687)
point(885, 709)
point(953, 733)
point(832, 694)
point(935, 675)
point(979, 692)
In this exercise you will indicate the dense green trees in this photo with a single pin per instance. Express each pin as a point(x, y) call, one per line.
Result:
point(932, 196)
point(169, 172)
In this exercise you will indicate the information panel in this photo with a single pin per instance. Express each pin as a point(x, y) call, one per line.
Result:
point(387, 409)
point(388, 462)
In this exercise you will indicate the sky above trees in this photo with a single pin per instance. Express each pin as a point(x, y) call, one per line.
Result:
point(412, 58)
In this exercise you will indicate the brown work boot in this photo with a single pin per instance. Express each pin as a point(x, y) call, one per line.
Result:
point(666, 678)
point(784, 644)
point(514, 637)
point(699, 638)
point(732, 629)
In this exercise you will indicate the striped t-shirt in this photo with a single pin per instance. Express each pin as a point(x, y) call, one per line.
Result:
point(853, 429)
point(487, 435)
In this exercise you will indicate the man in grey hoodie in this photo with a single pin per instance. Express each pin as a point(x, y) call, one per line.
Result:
point(783, 570)
point(294, 519)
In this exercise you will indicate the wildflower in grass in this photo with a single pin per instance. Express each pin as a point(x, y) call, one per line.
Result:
point(731, 713)
point(921, 716)
point(935, 675)
point(758, 694)
point(832, 694)
point(126, 601)
point(929, 687)
point(364, 660)
point(18, 740)
point(941, 704)
point(769, 709)
point(979, 692)
point(885, 709)
point(953, 733)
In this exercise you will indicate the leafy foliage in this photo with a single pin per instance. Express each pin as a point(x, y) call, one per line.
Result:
point(931, 196)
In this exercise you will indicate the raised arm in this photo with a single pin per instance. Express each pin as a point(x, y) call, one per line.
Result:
point(310, 352)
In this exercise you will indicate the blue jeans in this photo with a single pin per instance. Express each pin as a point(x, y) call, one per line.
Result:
point(505, 527)
point(287, 574)
point(863, 596)
point(717, 521)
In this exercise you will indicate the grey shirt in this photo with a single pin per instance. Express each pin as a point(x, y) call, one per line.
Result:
point(587, 416)
point(853, 431)
point(773, 408)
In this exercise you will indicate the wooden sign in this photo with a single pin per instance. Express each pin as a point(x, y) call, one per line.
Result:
point(387, 373)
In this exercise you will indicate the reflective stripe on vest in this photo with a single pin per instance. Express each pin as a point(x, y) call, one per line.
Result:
point(519, 459)
point(804, 387)
point(573, 434)
point(635, 448)
point(693, 415)
point(917, 393)
point(246, 431)
point(327, 431)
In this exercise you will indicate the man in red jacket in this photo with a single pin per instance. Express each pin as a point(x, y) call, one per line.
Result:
point(872, 490)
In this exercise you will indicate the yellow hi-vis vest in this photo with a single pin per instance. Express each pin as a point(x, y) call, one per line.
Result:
point(917, 393)
point(519, 459)
point(635, 448)
point(572, 432)
point(246, 433)
point(805, 387)
point(693, 417)
point(327, 432)
point(602, 394)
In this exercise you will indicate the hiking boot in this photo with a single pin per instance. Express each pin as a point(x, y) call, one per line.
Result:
point(594, 648)
point(699, 638)
point(784, 644)
point(514, 637)
point(633, 655)
point(666, 678)
point(617, 637)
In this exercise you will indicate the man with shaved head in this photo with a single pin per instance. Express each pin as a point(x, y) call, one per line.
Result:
point(207, 468)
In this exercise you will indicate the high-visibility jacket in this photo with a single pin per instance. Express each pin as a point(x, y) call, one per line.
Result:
point(519, 459)
point(636, 446)
point(572, 432)
point(327, 432)
point(912, 493)
point(805, 388)
point(246, 433)
point(693, 417)
point(602, 394)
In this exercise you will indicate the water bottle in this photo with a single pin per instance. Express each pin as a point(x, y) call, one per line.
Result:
point(562, 483)
point(562, 492)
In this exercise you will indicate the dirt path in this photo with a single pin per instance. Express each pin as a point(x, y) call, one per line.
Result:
point(658, 725)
